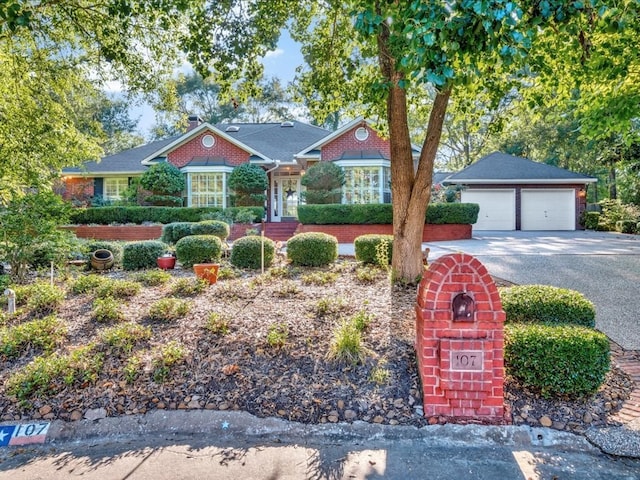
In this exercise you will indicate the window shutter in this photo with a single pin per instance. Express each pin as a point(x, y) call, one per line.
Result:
point(98, 186)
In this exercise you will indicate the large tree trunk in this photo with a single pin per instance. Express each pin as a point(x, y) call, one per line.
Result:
point(410, 188)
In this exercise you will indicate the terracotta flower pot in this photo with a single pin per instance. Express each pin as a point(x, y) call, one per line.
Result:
point(102, 259)
point(207, 271)
point(166, 263)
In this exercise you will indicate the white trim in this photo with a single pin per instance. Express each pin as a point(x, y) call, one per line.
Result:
point(194, 170)
point(522, 181)
point(194, 133)
point(377, 162)
point(208, 141)
point(361, 134)
point(101, 174)
point(210, 169)
point(331, 136)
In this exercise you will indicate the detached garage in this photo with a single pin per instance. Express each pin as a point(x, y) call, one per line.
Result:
point(515, 193)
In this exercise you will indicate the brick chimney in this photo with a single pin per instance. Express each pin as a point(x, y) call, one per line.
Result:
point(194, 121)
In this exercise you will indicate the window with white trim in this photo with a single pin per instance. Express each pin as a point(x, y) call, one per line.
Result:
point(208, 189)
point(114, 188)
point(366, 185)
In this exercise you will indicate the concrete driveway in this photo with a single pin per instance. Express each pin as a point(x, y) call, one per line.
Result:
point(604, 266)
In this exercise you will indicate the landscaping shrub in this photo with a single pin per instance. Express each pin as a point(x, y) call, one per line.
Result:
point(107, 309)
point(312, 249)
point(164, 357)
point(324, 182)
point(123, 338)
point(248, 181)
point(166, 182)
point(88, 283)
point(139, 255)
point(591, 220)
point(138, 215)
point(43, 334)
point(44, 298)
point(168, 309)
point(188, 287)
point(367, 248)
point(117, 289)
point(557, 360)
point(382, 213)
point(614, 211)
point(247, 252)
point(114, 247)
point(180, 230)
point(543, 303)
point(211, 227)
point(152, 278)
point(626, 226)
point(198, 249)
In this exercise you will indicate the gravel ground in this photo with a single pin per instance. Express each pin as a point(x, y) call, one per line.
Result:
point(295, 379)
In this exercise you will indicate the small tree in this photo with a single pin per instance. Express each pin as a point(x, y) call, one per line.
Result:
point(165, 181)
point(28, 223)
point(324, 182)
point(249, 182)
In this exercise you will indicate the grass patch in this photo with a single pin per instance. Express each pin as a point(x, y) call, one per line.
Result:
point(329, 306)
point(380, 373)
point(44, 334)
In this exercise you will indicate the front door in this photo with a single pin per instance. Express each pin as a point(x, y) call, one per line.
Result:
point(285, 196)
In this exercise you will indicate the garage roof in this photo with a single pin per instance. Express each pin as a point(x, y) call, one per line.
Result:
point(500, 168)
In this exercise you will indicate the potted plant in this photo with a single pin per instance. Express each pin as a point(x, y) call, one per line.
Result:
point(207, 271)
point(167, 261)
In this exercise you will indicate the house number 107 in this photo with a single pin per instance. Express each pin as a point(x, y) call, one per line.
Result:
point(466, 360)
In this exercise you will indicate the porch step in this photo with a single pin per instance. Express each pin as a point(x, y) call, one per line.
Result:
point(280, 231)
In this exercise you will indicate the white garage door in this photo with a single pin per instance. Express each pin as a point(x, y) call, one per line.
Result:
point(548, 209)
point(497, 208)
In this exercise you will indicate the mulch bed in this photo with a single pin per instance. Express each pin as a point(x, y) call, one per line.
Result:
point(297, 381)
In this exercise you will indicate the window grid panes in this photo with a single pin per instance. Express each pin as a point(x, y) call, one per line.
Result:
point(207, 189)
point(362, 185)
point(114, 188)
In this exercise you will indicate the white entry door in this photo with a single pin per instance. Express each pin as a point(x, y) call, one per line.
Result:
point(497, 208)
point(285, 197)
point(548, 209)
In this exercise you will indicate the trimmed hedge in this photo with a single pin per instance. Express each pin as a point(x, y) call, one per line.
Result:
point(247, 252)
point(114, 247)
point(382, 213)
point(591, 220)
point(544, 303)
point(211, 227)
point(139, 255)
point(312, 249)
point(139, 215)
point(626, 226)
point(366, 247)
point(557, 360)
point(198, 249)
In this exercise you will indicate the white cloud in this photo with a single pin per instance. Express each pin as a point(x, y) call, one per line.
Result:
point(274, 53)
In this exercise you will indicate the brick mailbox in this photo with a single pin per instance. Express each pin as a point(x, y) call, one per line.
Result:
point(460, 342)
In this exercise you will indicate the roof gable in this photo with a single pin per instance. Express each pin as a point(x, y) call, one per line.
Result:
point(497, 168)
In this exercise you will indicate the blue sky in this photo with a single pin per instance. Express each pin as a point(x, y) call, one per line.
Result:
point(281, 63)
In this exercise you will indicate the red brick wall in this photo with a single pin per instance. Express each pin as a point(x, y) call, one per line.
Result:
point(430, 233)
point(194, 148)
point(348, 141)
point(452, 392)
point(117, 232)
point(77, 188)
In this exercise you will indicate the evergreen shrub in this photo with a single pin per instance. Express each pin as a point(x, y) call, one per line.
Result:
point(139, 255)
point(198, 249)
point(312, 249)
point(366, 248)
point(247, 252)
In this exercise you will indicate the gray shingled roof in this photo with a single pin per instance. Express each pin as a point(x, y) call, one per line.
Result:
point(497, 168)
point(274, 140)
point(127, 161)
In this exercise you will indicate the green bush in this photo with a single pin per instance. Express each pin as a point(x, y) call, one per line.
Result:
point(198, 249)
point(557, 360)
point(164, 200)
point(211, 227)
point(614, 211)
point(324, 182)
point(107, 309)
point(139, 255)
point(88, 283)
point(114, 247)
point(626, 226)
point(591, 220)
point(180, 230)
point(45, 298)
point(188, 287)
point(138, 215)
point(543, 303)
point(247, 252)
point(163, 178)
point(152, 278)
point(312, 249)
point(367, 249)
point(112, 288)
point(44, 334)
point(168, 310)
point(248, 181)
point(123, 338)
point(382, 213)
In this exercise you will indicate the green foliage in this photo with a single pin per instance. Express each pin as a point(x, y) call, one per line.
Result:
point(44, 298)
point(381, 213)
point(312, 249)
point(346, 344)
point(324, 182)
point(368, 273)
point(380, 374)
point(88, 283)
point(44, 334)
point(163, 178)
point(132, 369)
point(247, 252)
point(49, 375)
point(277, 335)
point(626, 226)
point(114, 247)
point(245, 215)
point(367, 249)
point(613, 211)
point(188, 287)
point(168, 310)
point(249, 181)
point(152, 278)
point(141, 255)
point(172, 232)
point(591, 220)
point(117, 289)
point(330, 306)
point(29, 222)
point(557, 360)
point(164, 358)
point(319, 278)
point(107, 309)
point(543, 303)
point(211, 227)
point(198, 249)
point(57, 250)
point(362, 320)
point(164, 200)
point(217, 324)
point(287, 289)
point(123, 338)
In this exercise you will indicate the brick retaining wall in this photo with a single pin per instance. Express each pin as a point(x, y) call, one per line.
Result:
point(431, 233)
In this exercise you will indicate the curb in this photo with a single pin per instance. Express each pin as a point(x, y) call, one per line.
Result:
point(231, 426)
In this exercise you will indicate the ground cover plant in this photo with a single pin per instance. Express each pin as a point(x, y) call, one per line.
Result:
point(308, 344)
